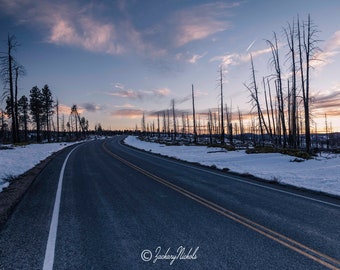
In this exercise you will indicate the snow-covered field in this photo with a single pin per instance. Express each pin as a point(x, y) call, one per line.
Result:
point(14, 162)
point(320, 174)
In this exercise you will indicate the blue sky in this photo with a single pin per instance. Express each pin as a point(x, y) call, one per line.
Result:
point(118, 59)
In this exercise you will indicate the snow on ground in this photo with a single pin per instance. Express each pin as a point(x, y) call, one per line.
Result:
point(320, 174)
point(20, 159)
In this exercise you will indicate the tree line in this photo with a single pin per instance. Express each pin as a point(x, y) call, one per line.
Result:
point(37, 109)
point(281, 111)
point(287, 112)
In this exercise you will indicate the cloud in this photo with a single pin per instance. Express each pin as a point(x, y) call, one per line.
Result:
point(86, 33)
point(64, 109)
point(238, 58)
point(162, 92)
point(68, 23)
point(327, 102)
point(200, 22)
point(139, 94)
point(127, 94)
point(331, 49)
point(126, 106)
point(119, 85)
point(90, 107)
point(127, 113)
point(334, 43)
point(116, 28)
point(190, 58)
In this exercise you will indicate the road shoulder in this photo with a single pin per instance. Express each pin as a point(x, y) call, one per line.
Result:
point(12, 195)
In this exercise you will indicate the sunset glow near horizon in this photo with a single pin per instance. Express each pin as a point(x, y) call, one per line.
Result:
point(119, 59)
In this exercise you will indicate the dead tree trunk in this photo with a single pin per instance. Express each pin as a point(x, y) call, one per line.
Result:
point(222, 119)
point(290, 35)
point(310, 47)
point(279, 88)
point(267, 111)
point(253, 89)
point(174, 119)
point(194, 113)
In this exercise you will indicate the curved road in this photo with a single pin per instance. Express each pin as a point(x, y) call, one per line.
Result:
point(103, 205)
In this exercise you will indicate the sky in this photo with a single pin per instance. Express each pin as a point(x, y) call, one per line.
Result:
point(119, 59)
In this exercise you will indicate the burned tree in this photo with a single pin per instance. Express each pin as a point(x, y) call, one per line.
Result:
point(278, 85)
point(194, 113)
point(10, 71)
point(307, 50)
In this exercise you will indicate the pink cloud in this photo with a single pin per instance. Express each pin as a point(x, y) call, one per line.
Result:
point(200, 22)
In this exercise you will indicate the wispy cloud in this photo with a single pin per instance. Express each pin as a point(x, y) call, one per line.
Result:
point(114, 28)
point(162, 92)
point(127, 113)
point(190, 58)
point(120, 91)
point(119, 85)
point(327, 102)
point(200, 22)
point(331, 49)
point(85, 32)
point(64, 109)
point(67, 23)
point(90, 107)
point(126, 94)
point(125, 106)
point(234, 59)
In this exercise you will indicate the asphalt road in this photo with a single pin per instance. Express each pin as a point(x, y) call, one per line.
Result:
point(121, 208)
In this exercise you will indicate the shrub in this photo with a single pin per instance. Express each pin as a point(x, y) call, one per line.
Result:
point(295, 153)
point(261, 149)
point(285, 151)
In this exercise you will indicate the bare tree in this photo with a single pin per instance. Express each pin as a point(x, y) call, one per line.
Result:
point(58, 130)
point(174, 118)
point(254, 94)
point(290, 36)
point(222, 113)
point(307, 49)
point(210, 123)
point(168, 123)
point(10, 71)
point(271, 108)
point(183, 125)
point(228, 112)
point(240, 120)
point(158, 125)
point(143, 123)
point(278, 85)
point(164, 123)
point(267, 110)
point(194, 113)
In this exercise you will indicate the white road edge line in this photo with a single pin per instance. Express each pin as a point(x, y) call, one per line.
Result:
point(52, 236)
point(237, 179)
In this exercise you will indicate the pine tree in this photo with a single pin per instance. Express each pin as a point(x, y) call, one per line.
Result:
point(36, 107)
point(47, 104)
point(23, 115)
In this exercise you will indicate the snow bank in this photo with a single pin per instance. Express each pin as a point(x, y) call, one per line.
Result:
point(321, 174)
point(14, 162)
